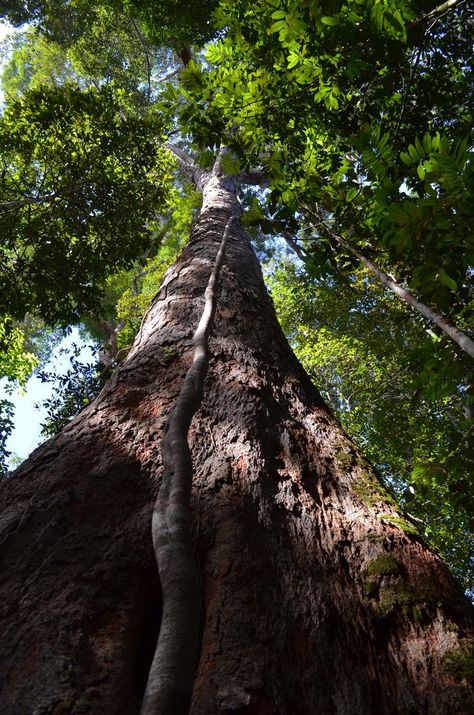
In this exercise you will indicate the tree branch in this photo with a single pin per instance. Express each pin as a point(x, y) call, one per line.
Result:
point(413, 70)
point(10, 205)
point(186, 163)
point(166, 77)
point(183, 157)
point(293, 244)
point(436, 12)
point(144, 45)
point(256, 178)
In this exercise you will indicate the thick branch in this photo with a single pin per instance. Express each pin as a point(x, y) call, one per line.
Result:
point(186, 163)
point(293, 244)
point(171, 675)
point(256, 178)
point(166, 77)
point(10, 205)
point(437, 11)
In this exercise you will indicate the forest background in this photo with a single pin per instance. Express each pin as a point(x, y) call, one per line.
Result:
point(359, 117)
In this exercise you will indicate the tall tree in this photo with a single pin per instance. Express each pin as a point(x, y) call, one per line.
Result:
point(303, 558)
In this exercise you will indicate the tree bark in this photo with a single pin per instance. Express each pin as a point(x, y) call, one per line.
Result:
point(171, 677)
point(317, 595)
point(19, 203)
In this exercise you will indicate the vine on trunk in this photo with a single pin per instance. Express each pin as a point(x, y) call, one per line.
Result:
point(171, 676)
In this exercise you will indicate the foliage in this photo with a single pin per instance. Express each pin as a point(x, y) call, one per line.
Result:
point(168, 22)
point(39, 339)
point(99, 166)
point(112, 51)
point(359, 113)
point(127, 295)
point(16, 362)
point(73, 390)
point(32, 63)
point(6, 428)
point(174, 229)
point(175, 22)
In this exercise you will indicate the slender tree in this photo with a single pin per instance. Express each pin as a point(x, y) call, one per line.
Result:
point(456, 335)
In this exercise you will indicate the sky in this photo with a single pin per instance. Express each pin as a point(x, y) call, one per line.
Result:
point(27, 433)
point(5, 31)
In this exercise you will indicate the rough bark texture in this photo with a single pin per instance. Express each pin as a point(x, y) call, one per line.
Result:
point(316, 596)
point(171, 677)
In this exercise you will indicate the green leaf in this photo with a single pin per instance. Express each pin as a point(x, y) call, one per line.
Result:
point(421, 171)
point(413, 153)
point(293, 60)
point(394, 25)
point(446, 280)
point(376, 16)
point(278, 26)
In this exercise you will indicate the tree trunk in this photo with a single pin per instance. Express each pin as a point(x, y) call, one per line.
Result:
point(317, 595)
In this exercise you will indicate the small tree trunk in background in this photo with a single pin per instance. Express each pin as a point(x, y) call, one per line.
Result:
point(457, 336)
point(317, 596)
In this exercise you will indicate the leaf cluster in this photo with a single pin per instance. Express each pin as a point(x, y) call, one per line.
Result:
point(80, 164)
point(73, 390)
point(360, 115)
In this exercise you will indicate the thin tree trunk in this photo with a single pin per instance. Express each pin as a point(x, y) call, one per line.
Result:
point(457, 336)
point(317, 597)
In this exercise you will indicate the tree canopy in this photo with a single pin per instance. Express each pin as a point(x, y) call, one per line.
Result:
point(359, 116)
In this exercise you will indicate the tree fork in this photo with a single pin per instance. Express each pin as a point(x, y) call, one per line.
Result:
point(171, 676)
